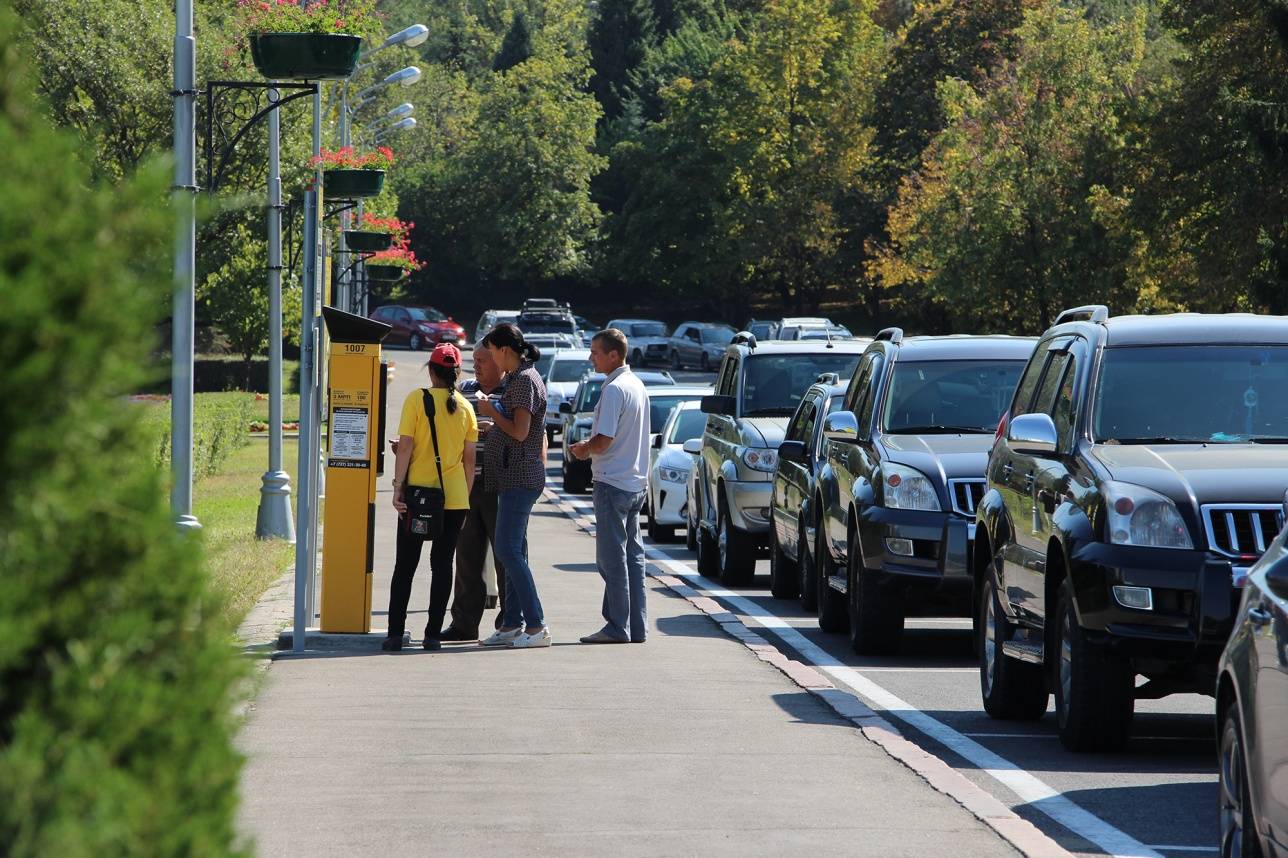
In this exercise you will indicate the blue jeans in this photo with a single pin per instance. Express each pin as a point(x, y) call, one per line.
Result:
point(619, 553)
point(513, 509)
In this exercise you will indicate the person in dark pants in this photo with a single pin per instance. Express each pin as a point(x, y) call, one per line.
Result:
point(417, 464)
point(469, 597)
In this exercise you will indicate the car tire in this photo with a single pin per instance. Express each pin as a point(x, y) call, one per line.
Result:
point(704, 362)
point(784, 579)
point(690, 533)
point(708, 554)
point(737, 551)
point(875, 608)
point(805, 572)
point(1011, 689)
point(1093, 687)
point(656, 532)
point(1238, 825)
point(414, 342)
point(833, 615)
point(675, 360)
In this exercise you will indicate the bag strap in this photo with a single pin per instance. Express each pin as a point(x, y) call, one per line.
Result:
point(433, 434)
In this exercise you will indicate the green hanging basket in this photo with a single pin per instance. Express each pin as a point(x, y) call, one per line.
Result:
point(305, 56)
point(367, 242)
point(388, 273)
point(352, 184)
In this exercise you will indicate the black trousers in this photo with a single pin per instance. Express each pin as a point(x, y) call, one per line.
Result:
point(441, 553)
point(470, 593)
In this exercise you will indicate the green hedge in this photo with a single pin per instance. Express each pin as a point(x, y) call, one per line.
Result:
point(118, 683)
point(220, 422)
point(220, 374)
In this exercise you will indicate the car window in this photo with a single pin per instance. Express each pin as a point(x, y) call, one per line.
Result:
point(1196, 393)
point(649, 329)
point(948, 395)
point(660, 407)
point(1044, 402)
point(590, 394)
point(402, 315)
point(717, 336)
point(727, 381)
point(426, 314)
point(692, 334)
point(864, 416)
point(542, 366)
point(796, 428)
point(568, 370)
point(810, 413)
point(773, 384)
point(1029, 383)
point(689, 425)
point(1062, 411)
point(859, 383)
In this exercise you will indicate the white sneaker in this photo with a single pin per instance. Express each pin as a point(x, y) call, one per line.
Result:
point(526, 641)
point(500, 638)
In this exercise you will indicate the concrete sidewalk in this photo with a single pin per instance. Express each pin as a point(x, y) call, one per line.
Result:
point(687, 745)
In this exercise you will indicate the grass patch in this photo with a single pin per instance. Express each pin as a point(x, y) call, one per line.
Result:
point(290, 408)
point(226, 504)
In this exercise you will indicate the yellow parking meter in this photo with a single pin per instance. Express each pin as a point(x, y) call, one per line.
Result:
point(355, 420)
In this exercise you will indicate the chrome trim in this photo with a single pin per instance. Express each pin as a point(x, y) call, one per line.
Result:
point(971, 497)
point(1228, 511)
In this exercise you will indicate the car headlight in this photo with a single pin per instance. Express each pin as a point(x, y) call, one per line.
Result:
point(759, 459)
point(908, 488)
point(673, 475)
point(1134, 515)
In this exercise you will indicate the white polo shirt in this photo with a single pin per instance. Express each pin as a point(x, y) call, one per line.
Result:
point(622, 414)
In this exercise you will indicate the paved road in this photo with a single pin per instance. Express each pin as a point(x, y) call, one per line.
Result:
point(1158, 798)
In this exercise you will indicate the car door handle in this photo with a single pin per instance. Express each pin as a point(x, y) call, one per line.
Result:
point(1259, 616)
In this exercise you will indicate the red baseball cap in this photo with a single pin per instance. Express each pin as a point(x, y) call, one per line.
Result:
point(445, 354)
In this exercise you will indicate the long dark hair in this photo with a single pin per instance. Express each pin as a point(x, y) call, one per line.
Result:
point(447, 375)
point(506, 335)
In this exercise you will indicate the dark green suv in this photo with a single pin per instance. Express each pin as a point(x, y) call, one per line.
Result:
point(1139, 473)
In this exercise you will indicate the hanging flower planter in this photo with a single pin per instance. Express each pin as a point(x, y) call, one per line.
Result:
point(305, 56)
point(352, 184)
point(367, 242)
point(386, 273)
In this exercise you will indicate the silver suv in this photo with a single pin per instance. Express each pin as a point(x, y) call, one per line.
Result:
point(757, 390)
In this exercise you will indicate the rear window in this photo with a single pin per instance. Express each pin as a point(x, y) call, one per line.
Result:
point(925, 397)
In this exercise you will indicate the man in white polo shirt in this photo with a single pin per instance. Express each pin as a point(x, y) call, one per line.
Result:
point(618, 449)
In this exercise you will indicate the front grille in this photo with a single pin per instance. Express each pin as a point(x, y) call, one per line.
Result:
point(966, 495)
point(1242, 530)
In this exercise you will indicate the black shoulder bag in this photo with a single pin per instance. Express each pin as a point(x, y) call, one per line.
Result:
point(425, 504)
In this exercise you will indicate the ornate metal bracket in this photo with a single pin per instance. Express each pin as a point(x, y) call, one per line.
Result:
point(339, 206)
point(233, 108)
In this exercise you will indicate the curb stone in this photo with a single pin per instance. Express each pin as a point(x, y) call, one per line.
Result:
point(984, 806)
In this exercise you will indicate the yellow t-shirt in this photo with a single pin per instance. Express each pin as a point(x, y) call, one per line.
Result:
point(454, 430)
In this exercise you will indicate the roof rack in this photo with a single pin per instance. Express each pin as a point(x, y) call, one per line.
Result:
point(1097, 314)
point(894, 335)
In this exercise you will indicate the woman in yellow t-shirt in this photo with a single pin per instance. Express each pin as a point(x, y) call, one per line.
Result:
point(457, 429)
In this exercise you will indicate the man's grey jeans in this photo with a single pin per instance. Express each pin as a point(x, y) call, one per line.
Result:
point(619, 553)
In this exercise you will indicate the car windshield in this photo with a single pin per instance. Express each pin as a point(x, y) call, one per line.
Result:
point(718, 335)
point(659, 408)
point(542, 366)
point(568, 370)
point(1192, 394)
point(648, 329)
point(590, 395)
point(689, 425)
point(773, 385)
point(547, 325)
point(426, 314)
point(949, 396)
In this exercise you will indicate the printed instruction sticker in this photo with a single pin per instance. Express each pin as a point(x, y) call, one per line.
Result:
point(349, 433)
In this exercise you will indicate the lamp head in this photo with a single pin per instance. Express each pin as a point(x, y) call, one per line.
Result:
point(400, 111)
point(406, 77)
point(412, 36)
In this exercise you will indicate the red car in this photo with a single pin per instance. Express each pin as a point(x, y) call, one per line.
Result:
point(418, 327)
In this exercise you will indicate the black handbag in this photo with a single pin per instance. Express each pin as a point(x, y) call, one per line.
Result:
point(425, 504)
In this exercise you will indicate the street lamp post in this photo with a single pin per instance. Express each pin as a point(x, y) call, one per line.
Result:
point(405, 123)
point(185, 254)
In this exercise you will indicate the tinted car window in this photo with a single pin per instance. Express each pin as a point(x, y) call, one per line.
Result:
point(648, 329)
point(926, 396)
point(1051, 379)
point(1062, 411)
point(688, 426)
point(1028, 384)
point(870, 403)
point(426, 314)
point(546, 324)
point(542, 366)
point(726, 383)
point(717, 335)
point(659, 409)
point(590, 395)
point(772, 385)
point(1191, 393)
point(569, 370)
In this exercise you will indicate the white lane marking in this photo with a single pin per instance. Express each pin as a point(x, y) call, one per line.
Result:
point(1033, 791)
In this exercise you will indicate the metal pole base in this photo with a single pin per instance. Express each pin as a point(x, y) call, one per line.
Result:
point(274, 520)
point(188, 523)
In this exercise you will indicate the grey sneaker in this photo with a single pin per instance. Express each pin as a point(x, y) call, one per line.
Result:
point(500, 638)
point(526, 641)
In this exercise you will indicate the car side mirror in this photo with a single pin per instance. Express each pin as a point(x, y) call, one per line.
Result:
point(565, 408)
point(841, 426)
point(793, 451)
point(657, 441)
point(719, 404)
point(1032, 434)
point(694, 446)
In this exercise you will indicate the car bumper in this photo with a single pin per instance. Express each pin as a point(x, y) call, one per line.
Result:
point(749, 504)
point(1193, 595)
point(671, 499)
point(931, 549)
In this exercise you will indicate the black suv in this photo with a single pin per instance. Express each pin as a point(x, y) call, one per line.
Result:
point(1139, 473)
point(895, 500)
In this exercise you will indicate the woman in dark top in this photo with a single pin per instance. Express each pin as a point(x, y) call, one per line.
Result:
point(515, 469)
